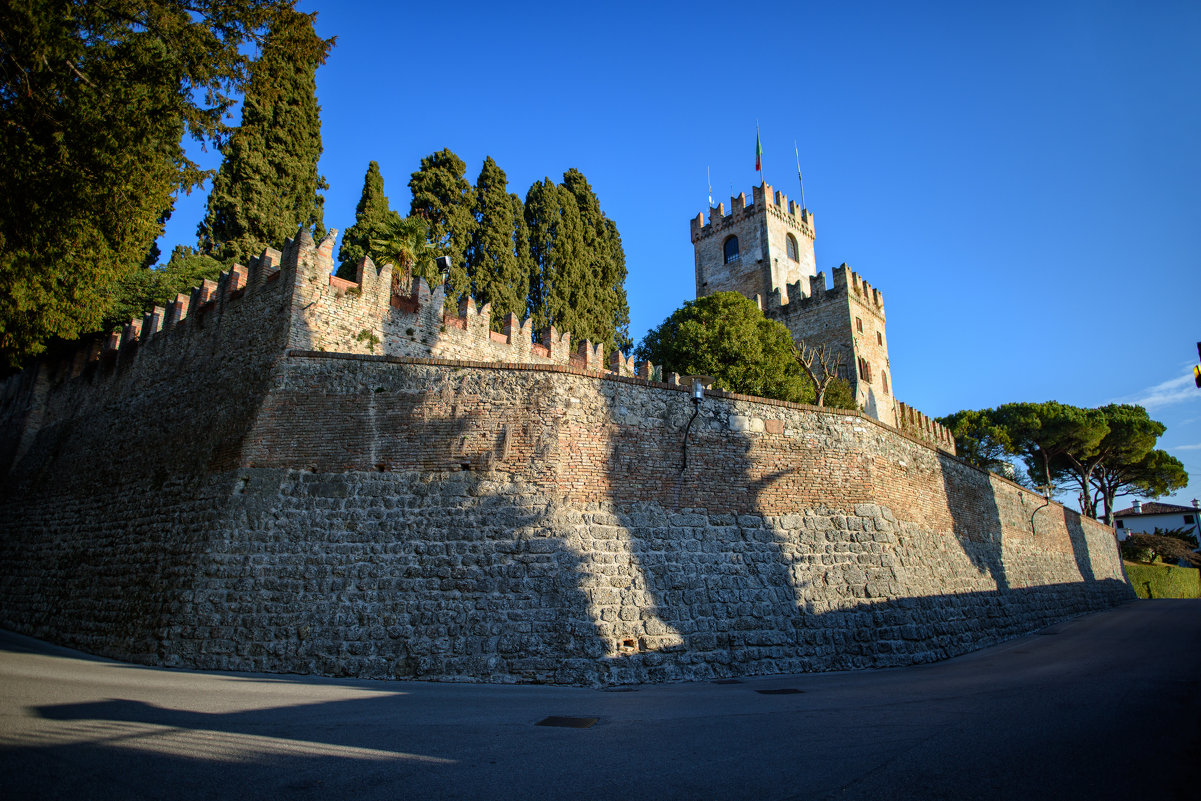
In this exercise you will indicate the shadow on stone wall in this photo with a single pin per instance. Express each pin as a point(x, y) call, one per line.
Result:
point(1084, 561)
point(747, 591)
point(975, 519)
point(435, 565)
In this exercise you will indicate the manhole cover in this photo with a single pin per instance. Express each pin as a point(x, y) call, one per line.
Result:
point(567, 723)
point(780, 691)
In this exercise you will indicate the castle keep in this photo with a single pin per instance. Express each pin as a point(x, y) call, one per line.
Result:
point(288, 472)
point(765, 251)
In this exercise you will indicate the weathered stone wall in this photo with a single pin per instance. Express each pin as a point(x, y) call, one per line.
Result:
point(387, 516)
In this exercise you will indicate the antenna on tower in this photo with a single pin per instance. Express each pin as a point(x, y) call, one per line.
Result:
point(709, 177)
point(798, 174)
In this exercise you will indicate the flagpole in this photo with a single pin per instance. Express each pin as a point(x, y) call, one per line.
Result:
point(799, 180)
point(709, 178)
point(759, 154)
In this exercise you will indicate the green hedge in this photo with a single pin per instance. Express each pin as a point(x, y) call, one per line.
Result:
point(1164, 581)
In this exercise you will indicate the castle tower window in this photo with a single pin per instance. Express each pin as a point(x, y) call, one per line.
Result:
point(884, 381)
point(792, 248)
point(859, 324)
point(879, 338)
point(731, 249)
point(865, 370)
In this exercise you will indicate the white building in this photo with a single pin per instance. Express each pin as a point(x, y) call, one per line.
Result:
point(1144, 518)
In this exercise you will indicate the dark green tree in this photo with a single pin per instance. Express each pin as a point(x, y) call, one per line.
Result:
point(268, 185)
point(1101, 453)
point(372, 216)
point(724, 335)
point(498, 268)
point(839, 395)
point(144, 288)
point(95, 98)
point(1130, 436)
point(603, 272)
point(558, 278)
point(1156, 474)
point(979, 439)
point(444, 198)
point(1042, 434)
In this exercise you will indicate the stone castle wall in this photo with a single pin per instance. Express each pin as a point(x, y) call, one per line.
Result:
point(221, 493)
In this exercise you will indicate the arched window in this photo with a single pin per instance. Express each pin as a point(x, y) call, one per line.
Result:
point(731, 249)
point(792, 250)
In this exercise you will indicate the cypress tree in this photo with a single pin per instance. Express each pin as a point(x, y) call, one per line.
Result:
point(603, 296)
point(444, 198)
point(558, 278)
point(578, 271)
point(496, 264)
point(95, 99)
point(372, 216)
point(268, 185)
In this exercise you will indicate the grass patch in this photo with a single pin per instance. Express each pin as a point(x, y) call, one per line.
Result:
point(1164, 581)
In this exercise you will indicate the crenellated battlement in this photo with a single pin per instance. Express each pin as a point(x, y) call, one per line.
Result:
point(913, 422)
point(762, 197)
point(812, 290)
point(291, 300)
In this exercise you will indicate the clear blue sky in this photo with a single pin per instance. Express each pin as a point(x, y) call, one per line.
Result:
point(1021, 180)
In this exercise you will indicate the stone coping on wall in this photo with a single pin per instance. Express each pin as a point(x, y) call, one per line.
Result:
point(643, 382)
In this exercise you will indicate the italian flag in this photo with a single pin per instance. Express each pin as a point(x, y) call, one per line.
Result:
point(758, 152)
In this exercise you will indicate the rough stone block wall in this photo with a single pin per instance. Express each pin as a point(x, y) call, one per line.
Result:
point(110, 511)
point(377, 516)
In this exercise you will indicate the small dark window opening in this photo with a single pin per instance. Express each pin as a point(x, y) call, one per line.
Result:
point(792, 249)
point(731, 249)
point(1121, 524)
point(865, 370)
point(879, 338)
point(859, 324)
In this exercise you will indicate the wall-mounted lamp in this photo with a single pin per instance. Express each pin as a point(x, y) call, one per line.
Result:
point(443, 263)
point(698, 383)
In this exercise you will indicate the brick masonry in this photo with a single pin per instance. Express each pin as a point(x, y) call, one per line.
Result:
point(219, 492)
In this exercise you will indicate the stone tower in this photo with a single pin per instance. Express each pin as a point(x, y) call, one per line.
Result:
point(765, 252)
point(754, 249)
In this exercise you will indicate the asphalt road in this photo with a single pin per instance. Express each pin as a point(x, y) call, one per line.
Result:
point(1107, 706)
